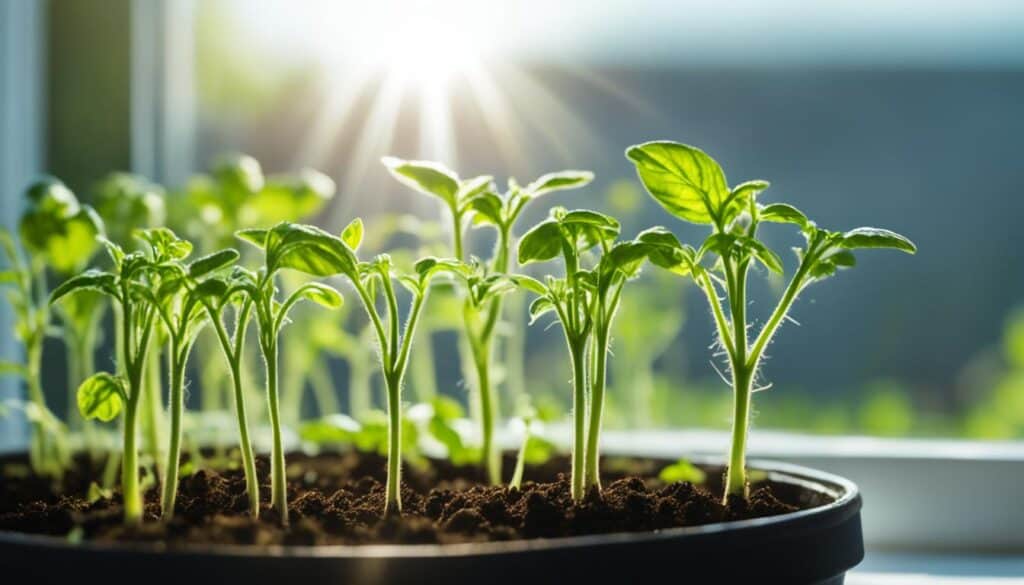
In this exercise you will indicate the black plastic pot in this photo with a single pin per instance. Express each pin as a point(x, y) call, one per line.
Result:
point(813, 546)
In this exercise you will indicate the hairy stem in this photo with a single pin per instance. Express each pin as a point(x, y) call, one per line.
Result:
point(491, 456)
point(597, 388)
point(579, 414)
point(392, 496)
point(278, 482)
point(736, 475)
point(252, 485)
point(177, 407)
point(151, 405)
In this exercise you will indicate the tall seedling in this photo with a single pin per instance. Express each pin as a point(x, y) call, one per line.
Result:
point(133, 286)
point(690, 185)
point(313, 252)
point(474, 201)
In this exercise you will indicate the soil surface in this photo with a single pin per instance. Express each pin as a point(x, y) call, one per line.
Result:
point(339, 499)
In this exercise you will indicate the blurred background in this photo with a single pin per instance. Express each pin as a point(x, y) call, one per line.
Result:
point(908, 115)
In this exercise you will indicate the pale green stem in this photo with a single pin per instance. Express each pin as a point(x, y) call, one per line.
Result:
point(392, 494)
point(278, 481)
point(579, 414)
point(597, 388)
point(152, 405)
point(177, 406)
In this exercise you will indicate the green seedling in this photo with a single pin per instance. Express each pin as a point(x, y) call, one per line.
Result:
point(690, 185)
point(475, 202)
point(59, 234)
point(133, 286)
point(682, 470)
point(308, 250)
point(319, 253)
point(585, 302)
point(184, 302)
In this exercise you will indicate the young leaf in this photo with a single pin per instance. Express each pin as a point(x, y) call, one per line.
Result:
point(211, 288)
point(488, 209)
point(666, 252)
point(321, 294)
point(211, 262)
point(101, 396)
point(472, 187)
point(682, 470)
point(256, 237)
point(782, 213)
point(539, 307)
point(89, 280)
point(352, 235)
point(164, 243)
point(308, 249)
point(429, 178)
point(559, 181)
point(531, 284)
point(683, 179)
point(869, 237)
point(543, 242)
point(764, 254)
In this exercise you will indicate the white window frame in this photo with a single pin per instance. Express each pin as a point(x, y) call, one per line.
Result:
point(22, 107)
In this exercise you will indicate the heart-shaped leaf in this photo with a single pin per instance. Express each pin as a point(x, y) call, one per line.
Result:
point(101, 396)
point(683, 179)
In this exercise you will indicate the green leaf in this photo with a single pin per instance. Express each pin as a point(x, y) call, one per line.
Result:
point(682, 470)
point(430, 266)
point(683, 179)
point(588, 228)
point(352, 235)
point(782, 213)
point(101, 396)
point(559, 181)
point(57, 228)
point(666, 251)
point(92, 279)
point(212, 262)
point(538, 450)
point(470, 188)
point(164, 244)
point(127, 202)
point(321, 294)
point(541, 243)
point(310, 250)
point(447, 408)
point(869, 237)
point(239, 174)
point(843, 259)
point(488, 209)
point(429, 178)
point(255, 236)
point(211, 288)
point(764, 255)
point(331, 429)
point(626, 258)
point(531, 284)
point(539, 307)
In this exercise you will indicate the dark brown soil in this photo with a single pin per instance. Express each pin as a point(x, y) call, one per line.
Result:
point(339, 499)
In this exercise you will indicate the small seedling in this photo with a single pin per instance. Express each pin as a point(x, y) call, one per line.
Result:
point(690, 185)
point(57, 234)
point(585, 301)
point(476, 201)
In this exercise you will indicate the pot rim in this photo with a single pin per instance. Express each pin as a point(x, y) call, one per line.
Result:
point(846, 503)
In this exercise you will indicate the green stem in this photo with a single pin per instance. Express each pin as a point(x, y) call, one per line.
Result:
point(152, 403)
point(177, 407)
point(578, 351)
point(392, 495)
point(492, 458)
point(517, 473)
point(736, 475)
point(278, 481)
point(231, 355)
point(130, 462)
point(597, 388)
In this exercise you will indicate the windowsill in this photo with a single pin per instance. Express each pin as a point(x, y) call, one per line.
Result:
point(935, 496)
point(880, 568)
